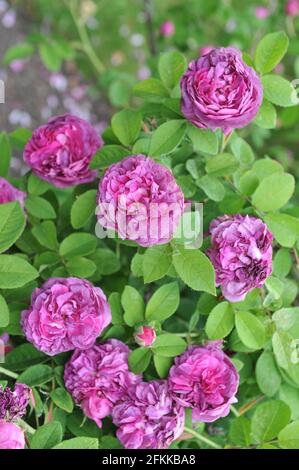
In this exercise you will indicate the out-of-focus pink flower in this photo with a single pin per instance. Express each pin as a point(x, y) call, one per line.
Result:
point(58, 81)
point(61, 150)
point(241, 253)
point(99, 377)
point(144, 72)
point(11, 436)
point(65, 314)
point(204, 379)
point(9, 19)
point(9, 193)
point(262, 12)
point(145, 336)
point(279, 68)
point(18, 65)
point(148, 417)
point(220, 91)
point(167, 29)
point(292, 8)
point(141, 200)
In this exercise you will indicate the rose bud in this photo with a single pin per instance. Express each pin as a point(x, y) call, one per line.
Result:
point(145, 336)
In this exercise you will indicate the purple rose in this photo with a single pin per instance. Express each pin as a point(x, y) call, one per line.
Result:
point(11, 436)
point(220, 91)
point(61, 151)
point(9, 193)
point(148, 417)
point(65, 314)
point(13, 404)
point(141, 200)
point(99, 377)
point(241, 253)
point(204, 379)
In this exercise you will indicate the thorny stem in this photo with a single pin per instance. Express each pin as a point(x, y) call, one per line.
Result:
point(26, 427)
point(202, 438)
point(149, 24)
point(249, 405)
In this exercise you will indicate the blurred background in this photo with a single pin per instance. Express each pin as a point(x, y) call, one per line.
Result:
point(84, 56)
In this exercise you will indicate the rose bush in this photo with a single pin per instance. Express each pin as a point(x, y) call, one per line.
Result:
point(170, 338)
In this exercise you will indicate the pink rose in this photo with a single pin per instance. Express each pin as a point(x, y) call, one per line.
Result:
point(147, 417)
point(204, 379)
point(99, 377)
point(141, 200)
point(11, 436)
point(241, 253)
point(9, 193)
point(262, 12)
point(65, 313)
point(220, 91)
point(61, 151)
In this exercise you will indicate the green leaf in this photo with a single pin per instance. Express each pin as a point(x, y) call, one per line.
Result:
point(250, 330)
point(39, 207)
point(126, 125)
point(4, 312)
point(248, 183)
point(162, 365)
point(46, 235)
point(220, 321)
point(195, 269)
point(83, 208)
point(133, 306)
point(139, 360)
point(24, 356)
point(47, 436)
point(171, 66)
point(290, 396)
point(5, 154)
point(80, 267)
point(269, 419)
point(151, 89)
point(274, 192)
point(36, 375)
point(163, 303)
point(284, 227)
point(108, 155)
point(106, 261)
point(62, 399)
point(203, 140)
point(116, 308)
point(212, 187)
point(80, 426)
point(156, 262)
point(78, 244)
point(167, 137)
point(242, 151)
point(37, 186)
point(267, 116)
point(282, 262)
point(266, 167)
point(15, 272)
point(267, 375)
point(224, 164)
point(288, 438)
point(12, 224)
point(49, 56)
point(169, 345)
point(18, 51)
point(79, 443)
point(270, 51)
point(239, 431)
point(279, 91)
